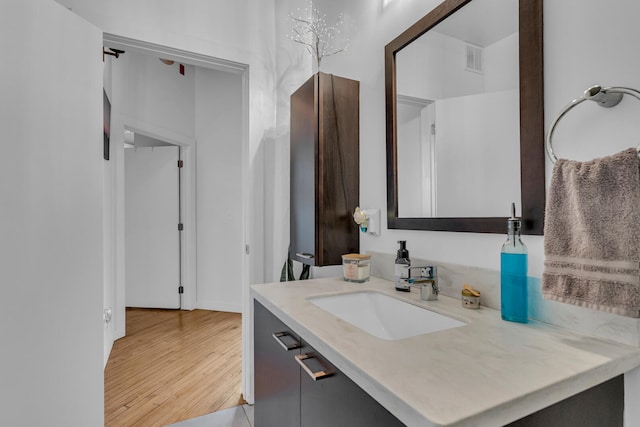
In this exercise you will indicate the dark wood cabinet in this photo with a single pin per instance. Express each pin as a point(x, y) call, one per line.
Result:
point(287, 395)
point(325, 173)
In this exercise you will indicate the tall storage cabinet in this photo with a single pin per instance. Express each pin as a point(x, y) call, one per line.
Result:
point(325, 169)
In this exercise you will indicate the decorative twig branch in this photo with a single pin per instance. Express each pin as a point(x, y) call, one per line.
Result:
point(311, 30)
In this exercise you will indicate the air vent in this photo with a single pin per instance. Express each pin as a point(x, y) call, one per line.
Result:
point(474, 58)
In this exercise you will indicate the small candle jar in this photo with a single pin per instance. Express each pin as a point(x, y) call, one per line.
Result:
point(356, 267)
point(469, 300)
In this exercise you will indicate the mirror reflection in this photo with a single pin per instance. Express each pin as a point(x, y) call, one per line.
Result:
point(457, 106)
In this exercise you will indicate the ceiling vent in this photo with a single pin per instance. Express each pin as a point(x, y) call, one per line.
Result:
point(474, 58)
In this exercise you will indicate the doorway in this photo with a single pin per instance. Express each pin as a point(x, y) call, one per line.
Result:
point(195, 294)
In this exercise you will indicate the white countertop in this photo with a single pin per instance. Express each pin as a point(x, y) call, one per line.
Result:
point(489, 372)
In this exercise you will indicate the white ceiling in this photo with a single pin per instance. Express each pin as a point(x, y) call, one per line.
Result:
point(482, 22)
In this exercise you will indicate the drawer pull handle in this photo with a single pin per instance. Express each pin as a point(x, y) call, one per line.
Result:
point(305, 255)
point(292, 346)
point(325, 372)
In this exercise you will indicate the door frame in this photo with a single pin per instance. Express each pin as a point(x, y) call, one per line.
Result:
point(187, 201)
point(189, 213)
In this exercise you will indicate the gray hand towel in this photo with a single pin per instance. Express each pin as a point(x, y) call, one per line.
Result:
point(592, 234)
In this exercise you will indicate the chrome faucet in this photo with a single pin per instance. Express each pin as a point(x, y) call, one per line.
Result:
point(425, 278)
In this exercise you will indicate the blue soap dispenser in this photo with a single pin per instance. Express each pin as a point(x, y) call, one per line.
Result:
point(513, 273)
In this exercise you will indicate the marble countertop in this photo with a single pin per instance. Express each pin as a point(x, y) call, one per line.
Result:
point(488, 372)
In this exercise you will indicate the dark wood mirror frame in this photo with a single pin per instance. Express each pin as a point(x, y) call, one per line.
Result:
point(532, 162)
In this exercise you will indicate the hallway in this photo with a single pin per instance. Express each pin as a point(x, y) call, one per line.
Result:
point(173, 365)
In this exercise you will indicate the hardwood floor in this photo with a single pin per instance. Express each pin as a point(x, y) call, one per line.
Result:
point(173, 365)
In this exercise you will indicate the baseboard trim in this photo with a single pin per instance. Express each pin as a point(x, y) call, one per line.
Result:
point(219, 306)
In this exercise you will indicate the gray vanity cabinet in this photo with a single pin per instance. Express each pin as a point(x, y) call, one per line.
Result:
point(598, 406)
point(336, 400)
point(277, 376)
point(325, 173)
point(287, 396)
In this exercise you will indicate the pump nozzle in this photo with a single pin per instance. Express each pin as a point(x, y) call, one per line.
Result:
point(402, 251)
point(514, 223)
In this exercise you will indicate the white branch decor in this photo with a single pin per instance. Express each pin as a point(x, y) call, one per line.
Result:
point(311, 30)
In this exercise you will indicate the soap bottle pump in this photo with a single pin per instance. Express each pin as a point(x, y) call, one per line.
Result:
point(401, 272)
point(513, 273)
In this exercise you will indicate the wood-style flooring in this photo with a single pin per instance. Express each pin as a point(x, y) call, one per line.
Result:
point(173, 365)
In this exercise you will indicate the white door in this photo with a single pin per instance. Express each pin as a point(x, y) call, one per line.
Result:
point(51, 255)
point(151, 227)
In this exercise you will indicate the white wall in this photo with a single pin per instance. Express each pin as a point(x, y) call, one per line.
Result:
point(206, 106)
point(412, 135)
point(501, 64)
point(576, 56)
point(466, 167)
point(376, 26)
point(433, 67)
point(240, 31)
point(218, 130)
point(157, 94)
point(293, 66)
point(51, 250)
point(371, 26)
point(151, 95)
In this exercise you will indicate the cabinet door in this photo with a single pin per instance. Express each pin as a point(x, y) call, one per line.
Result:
point(304, 129)
point(325, 126)
point(335, 400)
point(277, 375)
point(601, 405)
point(338, 168)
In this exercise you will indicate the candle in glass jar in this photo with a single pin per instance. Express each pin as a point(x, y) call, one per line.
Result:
point(356, 267)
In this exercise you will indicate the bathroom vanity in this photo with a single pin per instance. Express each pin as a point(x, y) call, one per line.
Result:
point(487, 372)
point(295, 385)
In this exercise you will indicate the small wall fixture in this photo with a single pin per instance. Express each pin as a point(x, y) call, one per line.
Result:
point(112, 52)
point(368, 220)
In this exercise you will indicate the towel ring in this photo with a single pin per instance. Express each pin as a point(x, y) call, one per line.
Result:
point(605, 97)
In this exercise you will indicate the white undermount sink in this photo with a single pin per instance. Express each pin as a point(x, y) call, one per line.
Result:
point(383, 316)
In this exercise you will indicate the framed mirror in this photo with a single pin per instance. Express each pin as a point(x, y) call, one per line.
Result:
point(465, 118)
